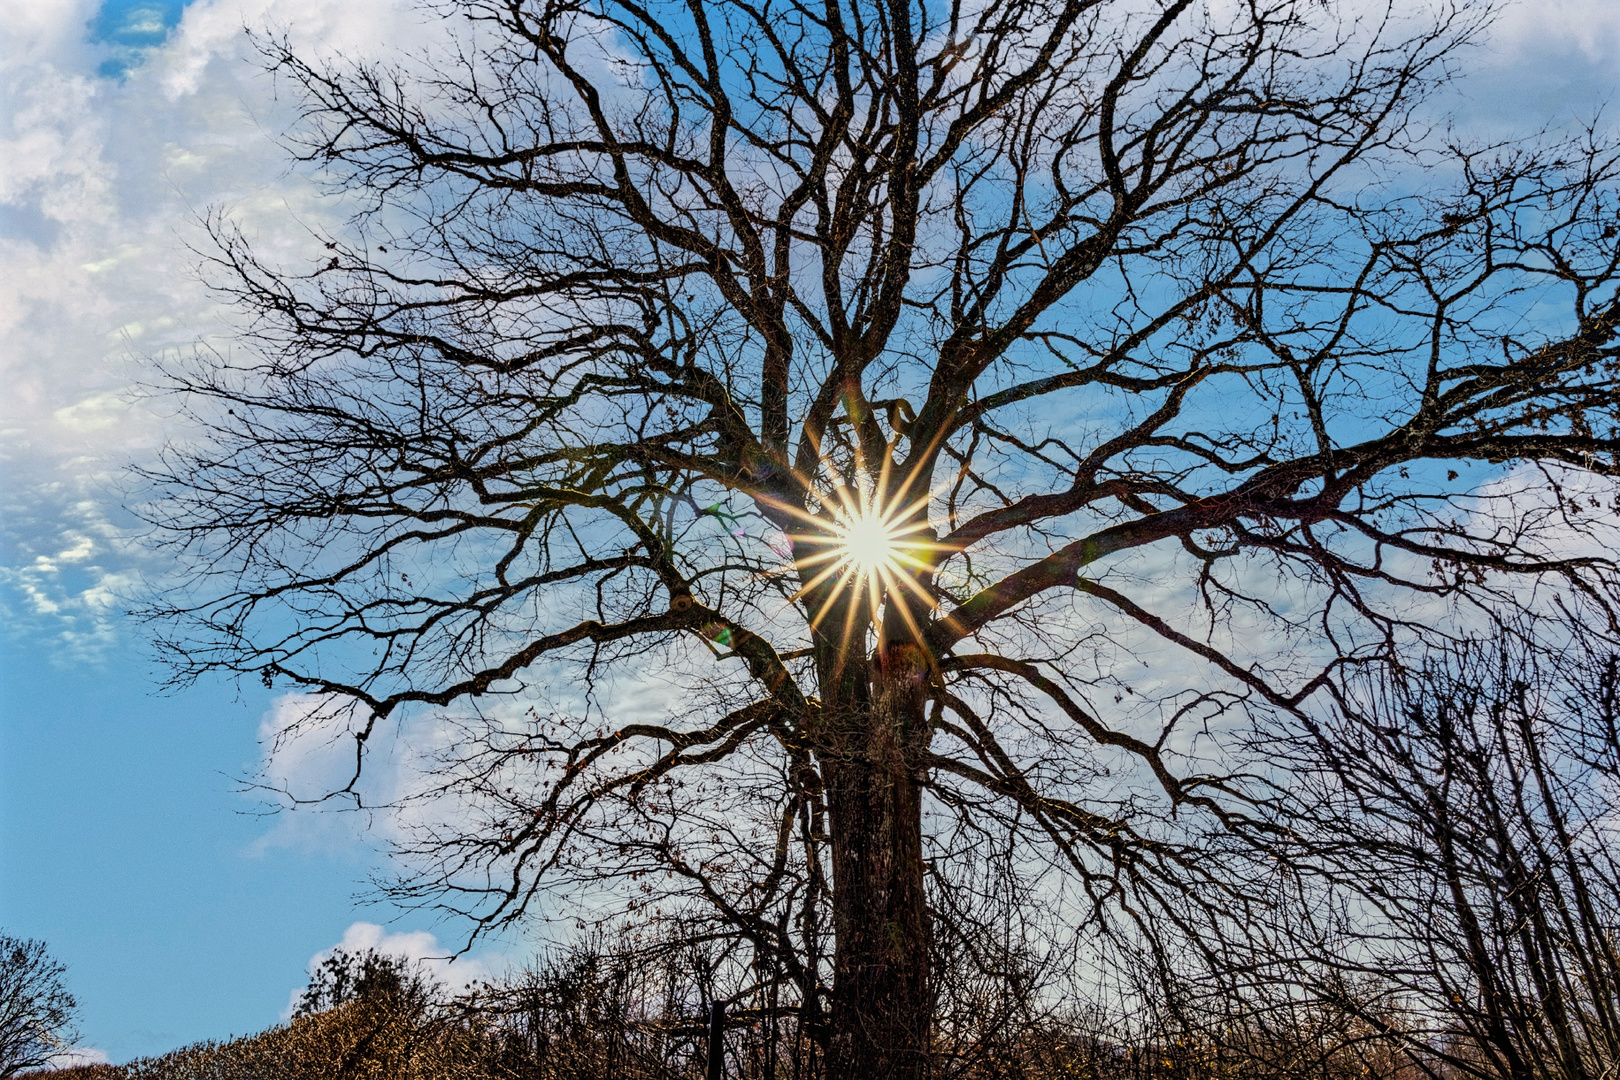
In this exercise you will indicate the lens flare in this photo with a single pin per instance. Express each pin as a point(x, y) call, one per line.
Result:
point(867, 544)
point(864, 544)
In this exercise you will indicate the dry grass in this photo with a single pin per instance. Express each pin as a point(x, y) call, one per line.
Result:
point(368, 1041)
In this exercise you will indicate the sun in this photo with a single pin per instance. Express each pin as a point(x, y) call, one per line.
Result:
point(867, 544)
point(864, 544)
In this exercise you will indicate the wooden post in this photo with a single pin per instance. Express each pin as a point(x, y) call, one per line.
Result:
point(717, 1040)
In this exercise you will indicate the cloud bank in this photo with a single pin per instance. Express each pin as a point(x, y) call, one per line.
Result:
point(103, 178)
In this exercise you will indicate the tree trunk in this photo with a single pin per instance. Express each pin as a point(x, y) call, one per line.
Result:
point(882, 1003)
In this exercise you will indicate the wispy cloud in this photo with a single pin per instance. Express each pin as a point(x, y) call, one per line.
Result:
point(64, 587)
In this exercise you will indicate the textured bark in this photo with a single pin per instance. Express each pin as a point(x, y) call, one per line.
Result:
point(882, 1002)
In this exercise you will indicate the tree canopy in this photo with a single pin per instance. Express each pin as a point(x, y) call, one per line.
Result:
point(792, 442)
point(36, 1010)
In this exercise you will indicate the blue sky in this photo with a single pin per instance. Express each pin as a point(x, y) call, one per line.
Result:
point(128, 28)
point(124, 840)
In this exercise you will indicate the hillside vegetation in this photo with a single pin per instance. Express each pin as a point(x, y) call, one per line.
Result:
point(597, 1014)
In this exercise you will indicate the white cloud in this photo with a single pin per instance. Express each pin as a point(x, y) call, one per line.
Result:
point(212, 32)
point(308, 750)
point(439, 962)
point(63, 583)
point(1590, 28)
point(46, 32)
point(101, 183)
point(80, 1055)
point(308, 759)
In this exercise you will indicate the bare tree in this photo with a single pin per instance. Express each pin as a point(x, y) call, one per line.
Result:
point(367, 975)
point(1467, 813)
point(941, 415)
point(36, 1010)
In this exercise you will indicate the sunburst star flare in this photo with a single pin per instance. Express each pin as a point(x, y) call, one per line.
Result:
point(865, 544)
